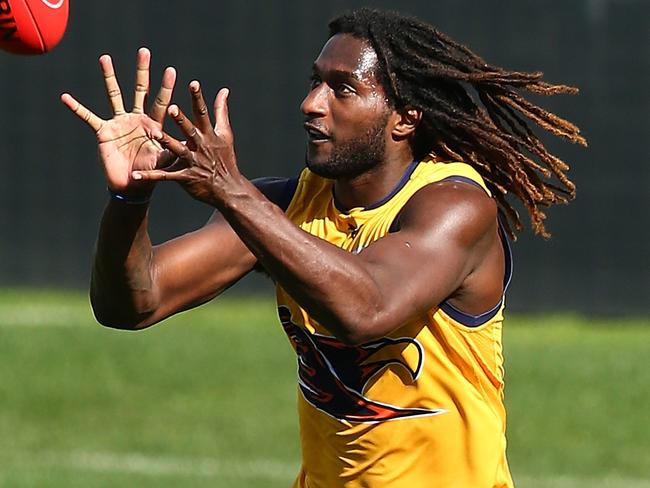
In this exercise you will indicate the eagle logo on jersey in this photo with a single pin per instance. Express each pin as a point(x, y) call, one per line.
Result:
point(332, 375)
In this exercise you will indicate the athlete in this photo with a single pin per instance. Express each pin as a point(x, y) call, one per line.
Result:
point(389, 251)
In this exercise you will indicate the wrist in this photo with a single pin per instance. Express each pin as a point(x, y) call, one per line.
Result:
point(140, 197)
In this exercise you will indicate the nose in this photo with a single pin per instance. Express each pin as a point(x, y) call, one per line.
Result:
point(315, 103)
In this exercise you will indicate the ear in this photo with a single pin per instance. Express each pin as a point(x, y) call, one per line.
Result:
point(407, 120)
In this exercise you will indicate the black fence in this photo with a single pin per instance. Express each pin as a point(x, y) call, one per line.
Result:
point(52, 191)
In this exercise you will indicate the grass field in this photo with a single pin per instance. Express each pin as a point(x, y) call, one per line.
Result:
point(208, 399)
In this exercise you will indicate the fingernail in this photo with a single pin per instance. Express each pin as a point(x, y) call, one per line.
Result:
point(137, 176)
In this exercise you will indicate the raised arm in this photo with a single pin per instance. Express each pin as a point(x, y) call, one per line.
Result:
point(135, 284)
point(447, 246)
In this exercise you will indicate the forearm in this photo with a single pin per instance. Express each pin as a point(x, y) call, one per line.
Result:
point(122, 287)
point(334, 286)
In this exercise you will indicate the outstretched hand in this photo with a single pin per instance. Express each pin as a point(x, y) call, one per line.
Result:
point(125, 140)
point(206, 166)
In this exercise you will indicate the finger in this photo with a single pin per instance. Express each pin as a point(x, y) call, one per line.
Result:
point(159, 108)
point(82, 112)
point(166, 159)
point(222, 119)
point(141, 80)
point(176, 147)
point(112, 87)
point(185, 124)
point(177, 165)
point(159, 175)
point(199, 108)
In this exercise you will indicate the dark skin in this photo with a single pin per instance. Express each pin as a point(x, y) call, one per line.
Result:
point(451, 226)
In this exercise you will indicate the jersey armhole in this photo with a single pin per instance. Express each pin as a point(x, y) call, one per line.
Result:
point(287, 193)
point(279, 190)
point(469, 320)
point(464, 318)
point(282, 194)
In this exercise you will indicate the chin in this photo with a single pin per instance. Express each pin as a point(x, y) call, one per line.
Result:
point(321, 168)
point(318, 163)
point(347, 160)
point(316, 156)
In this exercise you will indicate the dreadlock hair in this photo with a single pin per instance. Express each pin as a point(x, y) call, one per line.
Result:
point(485, 127)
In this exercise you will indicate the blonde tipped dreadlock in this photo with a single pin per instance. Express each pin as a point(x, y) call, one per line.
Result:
point(423, 68)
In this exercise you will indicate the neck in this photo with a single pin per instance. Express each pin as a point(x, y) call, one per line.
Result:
point(373, 185)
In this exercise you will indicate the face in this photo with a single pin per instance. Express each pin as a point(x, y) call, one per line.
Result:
point(346, 112)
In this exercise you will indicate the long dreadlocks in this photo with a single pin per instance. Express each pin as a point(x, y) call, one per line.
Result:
point(485, 127)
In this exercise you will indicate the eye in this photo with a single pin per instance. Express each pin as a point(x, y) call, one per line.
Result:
point(344, 89)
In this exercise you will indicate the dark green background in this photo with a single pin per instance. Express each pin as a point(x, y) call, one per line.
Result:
point(52, 191)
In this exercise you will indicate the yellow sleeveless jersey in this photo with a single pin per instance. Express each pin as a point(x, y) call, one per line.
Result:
point(420, 408)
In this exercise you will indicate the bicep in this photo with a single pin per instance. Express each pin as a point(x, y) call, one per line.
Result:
point(415, 273)
point(441, 239)
point(196, 267)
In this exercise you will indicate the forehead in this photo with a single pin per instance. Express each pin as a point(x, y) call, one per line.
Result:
point(345, 53)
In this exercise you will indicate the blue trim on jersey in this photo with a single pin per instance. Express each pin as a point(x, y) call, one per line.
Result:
point(507, 249)
point(470, 320)
point(400, 184)
point(462, 179)
point(288, 192)
point(467, 319)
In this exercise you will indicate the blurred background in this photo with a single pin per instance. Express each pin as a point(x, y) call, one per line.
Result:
point(52, 191)
point(208, 397)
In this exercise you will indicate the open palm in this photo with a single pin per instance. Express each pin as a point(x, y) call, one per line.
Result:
point(125, 144)
point(126, 141)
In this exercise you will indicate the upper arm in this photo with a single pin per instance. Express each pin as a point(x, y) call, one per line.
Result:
point(197, 266)
point(447, 237)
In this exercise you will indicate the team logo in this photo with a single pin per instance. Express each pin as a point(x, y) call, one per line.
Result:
point(332, 376)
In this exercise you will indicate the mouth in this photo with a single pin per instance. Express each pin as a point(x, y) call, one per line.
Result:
point(315, 134)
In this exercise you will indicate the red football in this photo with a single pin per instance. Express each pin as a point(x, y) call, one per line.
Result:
point(32, 26)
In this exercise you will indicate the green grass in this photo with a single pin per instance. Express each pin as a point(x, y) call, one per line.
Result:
point(208, 399)
point(578, 396)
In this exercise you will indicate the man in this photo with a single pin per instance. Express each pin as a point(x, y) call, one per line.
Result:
point(387, 252)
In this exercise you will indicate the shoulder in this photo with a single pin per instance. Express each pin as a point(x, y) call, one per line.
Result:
point(455, 208)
